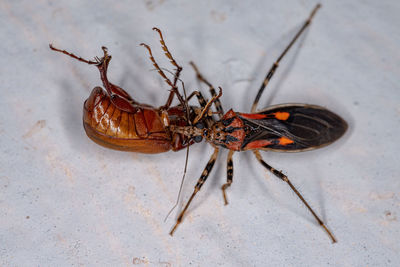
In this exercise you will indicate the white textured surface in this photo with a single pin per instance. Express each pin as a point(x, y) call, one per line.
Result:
point(66, 201)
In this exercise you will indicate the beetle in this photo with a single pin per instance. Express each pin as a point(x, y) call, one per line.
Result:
point(283, 128)
point(113, 119)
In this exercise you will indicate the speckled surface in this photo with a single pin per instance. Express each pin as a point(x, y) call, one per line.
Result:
point(66, 201)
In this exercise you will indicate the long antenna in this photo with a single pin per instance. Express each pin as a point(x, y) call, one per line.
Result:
point(187, 155)
point(181, 186)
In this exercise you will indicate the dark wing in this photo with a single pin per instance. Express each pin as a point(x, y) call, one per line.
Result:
point(291, 128)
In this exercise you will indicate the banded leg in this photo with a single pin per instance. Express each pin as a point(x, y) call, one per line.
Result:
point(197, 188)
point(229, 175)
point(200, 98)
point(276, 64)
point(286, 179)
point(204, 111)
point(201, 78)
point(205, 105)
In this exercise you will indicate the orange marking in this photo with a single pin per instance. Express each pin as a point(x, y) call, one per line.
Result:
point(229, 114)
point(236, 121)
point(239, 135)
point(257, 144)
point(282, 116)
point(285, 141)
point(254, 116)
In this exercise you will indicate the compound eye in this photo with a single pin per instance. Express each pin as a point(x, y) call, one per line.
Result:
point(199, 125)
point(198, 138)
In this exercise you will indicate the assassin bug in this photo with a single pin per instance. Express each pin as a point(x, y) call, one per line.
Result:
point(113, 119)
point(283, 128)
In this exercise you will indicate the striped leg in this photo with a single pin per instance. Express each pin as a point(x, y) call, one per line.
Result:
point(276, 64)
point(229, 175)
point(286, 179)
point(203, 103)
point(204, 112)
point(217, 102)
point(199, 184)
point(200, 98)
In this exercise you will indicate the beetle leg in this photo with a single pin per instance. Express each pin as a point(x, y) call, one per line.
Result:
point(90, 62)
point(217, 102)
point(174, 88)
point(199, 184)
point(177, 71)
point(169, 56)
point(276, 63)
point(160, 71)
point(284, 178)
point(229, 175)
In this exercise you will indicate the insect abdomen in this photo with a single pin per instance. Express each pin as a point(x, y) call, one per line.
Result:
point(292, 128)
point(140, 131)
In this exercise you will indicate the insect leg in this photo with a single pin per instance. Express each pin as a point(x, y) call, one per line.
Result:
point(286, 179)
point(102, 65)
point(200, 98)
point(160, 71)
point(229, 175)
point(173, 62)
point(203, 103)
point(276, 64)
point(169, 55)
point(201, 78)
point(90, 62)
point(112, 89)
point(199, 184)
point(174, 88)
point(204, 111)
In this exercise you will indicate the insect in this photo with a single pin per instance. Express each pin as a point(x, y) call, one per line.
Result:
point(283, 128)
point(112, 118)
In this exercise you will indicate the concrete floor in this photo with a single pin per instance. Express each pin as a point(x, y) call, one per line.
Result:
point(66, 201)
